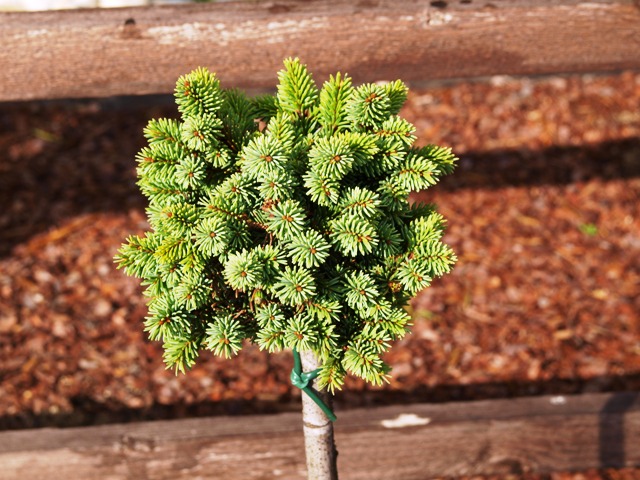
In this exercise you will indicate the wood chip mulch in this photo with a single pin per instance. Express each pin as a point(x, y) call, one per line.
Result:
point(544, 214)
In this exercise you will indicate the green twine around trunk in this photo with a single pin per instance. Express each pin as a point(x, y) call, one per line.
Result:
point(301, 380)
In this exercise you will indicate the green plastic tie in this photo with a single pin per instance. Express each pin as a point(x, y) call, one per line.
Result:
point(302, 379)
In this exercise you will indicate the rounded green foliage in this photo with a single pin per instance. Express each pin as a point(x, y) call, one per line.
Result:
point(285, 220)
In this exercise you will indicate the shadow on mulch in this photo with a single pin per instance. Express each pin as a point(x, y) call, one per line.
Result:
point(551, 166)
point(67, 161)
point(88, 412)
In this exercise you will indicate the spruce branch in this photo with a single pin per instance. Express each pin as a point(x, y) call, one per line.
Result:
point(297, 93)
point(224, 336)
point(333, 98)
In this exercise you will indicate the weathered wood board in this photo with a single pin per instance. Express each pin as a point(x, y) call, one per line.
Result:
point(412, 442)
point(97, 53)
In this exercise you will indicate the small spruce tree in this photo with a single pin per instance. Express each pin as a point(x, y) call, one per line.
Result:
point(285, 220)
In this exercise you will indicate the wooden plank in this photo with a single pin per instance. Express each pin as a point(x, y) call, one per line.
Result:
point(96, 53)
point(537, 434)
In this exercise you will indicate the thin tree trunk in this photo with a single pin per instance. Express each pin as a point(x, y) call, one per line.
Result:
point(320, 448)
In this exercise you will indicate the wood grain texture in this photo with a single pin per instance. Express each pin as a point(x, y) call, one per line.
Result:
point(96, 53)
point(538, 434)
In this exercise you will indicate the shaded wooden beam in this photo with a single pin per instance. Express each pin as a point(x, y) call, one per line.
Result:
point(96, 53)
point(538, 434)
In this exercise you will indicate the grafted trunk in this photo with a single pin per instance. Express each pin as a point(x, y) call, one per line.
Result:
point(320, 447)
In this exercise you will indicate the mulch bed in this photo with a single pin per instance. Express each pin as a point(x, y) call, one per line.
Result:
point(544, 214)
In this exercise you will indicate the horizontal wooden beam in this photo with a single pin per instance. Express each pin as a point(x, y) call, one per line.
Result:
point(97, 53)
point(537, 434)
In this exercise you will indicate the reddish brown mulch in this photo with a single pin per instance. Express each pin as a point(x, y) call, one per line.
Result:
point(543, 212)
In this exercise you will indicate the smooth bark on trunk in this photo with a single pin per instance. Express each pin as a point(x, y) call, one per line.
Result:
point(320, 447)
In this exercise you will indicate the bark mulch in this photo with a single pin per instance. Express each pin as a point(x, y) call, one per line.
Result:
point(543, 210)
